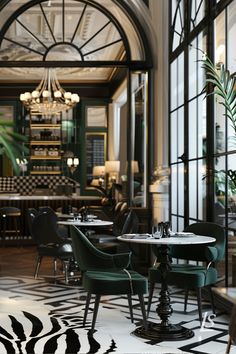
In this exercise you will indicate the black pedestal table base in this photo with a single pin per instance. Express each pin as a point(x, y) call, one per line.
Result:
point(159, 333)
point(165, 331)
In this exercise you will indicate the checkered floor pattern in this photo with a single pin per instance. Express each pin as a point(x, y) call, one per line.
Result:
point(37, 316)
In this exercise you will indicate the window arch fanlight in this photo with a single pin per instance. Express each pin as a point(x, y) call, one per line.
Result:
point(74, 31)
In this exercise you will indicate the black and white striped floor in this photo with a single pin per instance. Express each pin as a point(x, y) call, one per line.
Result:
point(41, 317)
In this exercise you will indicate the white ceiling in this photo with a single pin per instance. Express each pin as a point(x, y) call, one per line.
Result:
point(34, 21)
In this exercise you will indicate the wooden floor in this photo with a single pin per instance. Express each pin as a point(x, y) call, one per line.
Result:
point(18, 261)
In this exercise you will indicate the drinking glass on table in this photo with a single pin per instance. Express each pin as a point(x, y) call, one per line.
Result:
point(156, 232)
point(76, 216)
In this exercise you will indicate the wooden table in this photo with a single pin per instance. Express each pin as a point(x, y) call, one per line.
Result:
point(165, 331)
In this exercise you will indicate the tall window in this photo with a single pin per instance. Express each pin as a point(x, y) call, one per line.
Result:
point(203, 141)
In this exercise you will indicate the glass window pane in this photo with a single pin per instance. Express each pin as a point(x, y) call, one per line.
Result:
point(181, 224)
point(177, 22)
point(177, 82)
point(180, 79)
point(174, 223)
point(180, 132)
point(181, 189)
point(173, 137)
point(231, 140)
point(232, 184)
point(173, 92)
point(220, 188)
point(202, 134)
point(220, 38)
point(196, 72)
point(201, 44)
point(197, 12)
point(192, 133)
point(193, 189)
point(231, 37)
point(174, 189)
point(201, 190)
point(193, 69)
point(219, 127)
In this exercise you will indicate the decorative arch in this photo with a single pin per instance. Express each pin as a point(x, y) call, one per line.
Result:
point(40, 32)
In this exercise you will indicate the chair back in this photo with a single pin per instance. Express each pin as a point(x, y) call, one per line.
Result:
point(126, 222)
point(30, 216)
point(211, 252)
point(86, 255)
point(9, 211)
point(45, 228)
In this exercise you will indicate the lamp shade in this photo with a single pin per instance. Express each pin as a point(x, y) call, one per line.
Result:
point(134, 166)
point(98, 170)
point(76, 161)
point(112, 166)
point(70, 161)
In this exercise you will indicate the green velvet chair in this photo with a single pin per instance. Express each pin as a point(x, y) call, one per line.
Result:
point(106, 274)
point(191, 276)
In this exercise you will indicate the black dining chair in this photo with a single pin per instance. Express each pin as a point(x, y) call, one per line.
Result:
point(126, 221)
point(190, 276)
point(10, 221)
point(106, 274)
point(44, 231)
point(232, 331)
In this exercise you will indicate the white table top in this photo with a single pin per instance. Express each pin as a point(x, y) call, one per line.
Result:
point(175, 240)
point(71, 216)
point(17, 196)
point(230, 215)
point(92, 223)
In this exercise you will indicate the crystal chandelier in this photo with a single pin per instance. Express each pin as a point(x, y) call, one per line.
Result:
point(49, 97)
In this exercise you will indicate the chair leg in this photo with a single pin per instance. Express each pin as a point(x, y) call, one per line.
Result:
point(95, 311)
point(142, 305)
point(4, 230)
point(130, 307)
point(86, 308)
point(36, 273)
point(55, 267)
point(228, 346)
point(66, 269)
point(17, 231)
point(199, 301)
point(186, 299)
point(151, 290)
point(211, 299)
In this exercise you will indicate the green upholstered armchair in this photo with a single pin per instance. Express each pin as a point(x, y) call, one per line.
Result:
point(106, 274)
point(191, 276)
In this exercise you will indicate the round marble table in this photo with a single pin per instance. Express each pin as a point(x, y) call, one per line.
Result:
point(70, 216)
point(92, 223)
point(165, 331)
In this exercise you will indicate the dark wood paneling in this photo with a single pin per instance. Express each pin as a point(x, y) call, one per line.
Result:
point(23, 205)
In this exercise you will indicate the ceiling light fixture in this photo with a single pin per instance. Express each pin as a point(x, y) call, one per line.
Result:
point(49, 97)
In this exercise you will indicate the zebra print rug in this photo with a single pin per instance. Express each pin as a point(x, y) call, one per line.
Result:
point(40, 317)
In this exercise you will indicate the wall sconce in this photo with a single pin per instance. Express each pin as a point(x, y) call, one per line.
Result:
point(112, 168)
point(72, 163)
point(22, 163)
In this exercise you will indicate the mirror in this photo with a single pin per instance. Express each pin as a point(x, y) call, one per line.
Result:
point(139, 159)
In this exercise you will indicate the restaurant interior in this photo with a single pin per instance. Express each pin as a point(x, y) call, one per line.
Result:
point(117, 178)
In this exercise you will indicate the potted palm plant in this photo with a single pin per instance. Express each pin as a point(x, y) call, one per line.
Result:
point(224, 87)
point(12, 144)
